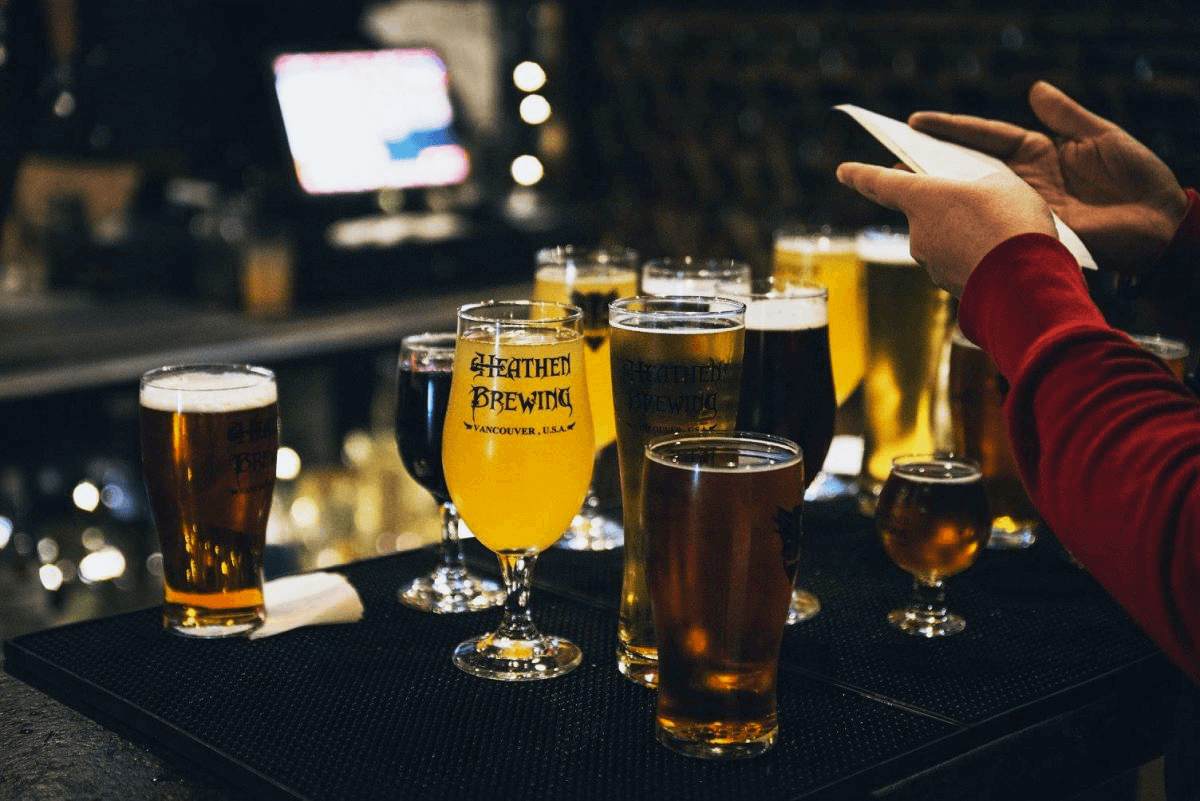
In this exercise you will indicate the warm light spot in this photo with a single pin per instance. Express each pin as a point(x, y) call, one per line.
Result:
point(86, 496)
point(51, 576)
point(102, 565)
point(527, 170)
point(357, 448)
point(535, 109)
point(305, 512)
point(529, 76)
point(287, 464)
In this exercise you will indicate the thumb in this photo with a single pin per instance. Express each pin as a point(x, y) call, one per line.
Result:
point(892, 188)
point(1064, 116)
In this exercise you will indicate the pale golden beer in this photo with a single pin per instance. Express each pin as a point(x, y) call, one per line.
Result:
point(209, 437)
point(908, 320)
point(723, 548)
point(676, 367)
point(517, 450)
point(520, 396)
point(591, 280)
point(978, 431)
point(830, 257)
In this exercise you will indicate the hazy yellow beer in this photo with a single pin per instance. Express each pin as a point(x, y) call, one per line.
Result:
point(676, 367)
point(908, 320)
point(831, 258)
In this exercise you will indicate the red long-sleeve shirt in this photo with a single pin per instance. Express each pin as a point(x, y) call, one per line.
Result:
point(1107, 439)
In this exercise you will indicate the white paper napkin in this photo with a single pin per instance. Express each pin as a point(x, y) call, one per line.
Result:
point(308, 599)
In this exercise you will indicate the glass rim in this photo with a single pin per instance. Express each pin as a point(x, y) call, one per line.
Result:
point(670, 304)
point(937, 457)
point(804, 289)
point(257, 375)
point(610, 256)
point(695, 266)
point(794, 451)
point(430, 340)
point(814, 232)
point(472, 312)
point(1163, 346)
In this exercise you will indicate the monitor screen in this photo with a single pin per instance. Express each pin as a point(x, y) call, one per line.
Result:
point(360, 121)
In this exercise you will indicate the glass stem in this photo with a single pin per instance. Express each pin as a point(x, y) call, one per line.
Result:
point(516, 623)
point(453, 563)
point(930, 598)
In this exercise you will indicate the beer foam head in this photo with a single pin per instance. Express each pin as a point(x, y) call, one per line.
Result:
point(815, 243)
point(786, 314)
point(205, 389)
point(885, 247)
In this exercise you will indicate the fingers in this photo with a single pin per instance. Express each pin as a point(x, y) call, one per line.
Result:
point(1000, 139)
point(883, 185)
point(1064, 116)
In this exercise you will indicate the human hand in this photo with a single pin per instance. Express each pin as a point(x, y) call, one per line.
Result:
point(1121, 199)
point(953, 224)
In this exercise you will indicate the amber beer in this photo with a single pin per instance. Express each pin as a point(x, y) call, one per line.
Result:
point(723, 550)
point(908, 319)
point(676, 367)
point(209, 436)
point(976, 398)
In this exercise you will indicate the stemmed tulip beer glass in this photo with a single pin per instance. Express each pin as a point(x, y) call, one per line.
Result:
point(422, 392)
point(518, 452)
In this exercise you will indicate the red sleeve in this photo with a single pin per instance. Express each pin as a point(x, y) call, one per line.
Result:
point(1107, 439)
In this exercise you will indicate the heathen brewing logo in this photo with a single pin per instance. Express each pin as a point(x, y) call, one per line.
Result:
point(675, 389)
point(492, 398)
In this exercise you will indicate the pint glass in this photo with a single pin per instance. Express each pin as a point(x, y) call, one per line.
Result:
point(676, 367)
point(908, 320)
point(978, 431)
point(690, 275)
point(723, 513)
point(209, 436)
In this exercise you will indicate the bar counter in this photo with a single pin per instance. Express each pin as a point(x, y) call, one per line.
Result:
point(1049, 691)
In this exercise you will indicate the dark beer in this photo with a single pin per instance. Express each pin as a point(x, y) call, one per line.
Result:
point(421, 398)
point(933, 517)
point(209, 438)
point(724, 542)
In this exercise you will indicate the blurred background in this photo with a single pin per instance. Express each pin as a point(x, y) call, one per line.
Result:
point(159, 203)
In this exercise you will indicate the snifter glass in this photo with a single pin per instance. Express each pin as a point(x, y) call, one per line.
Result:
point(517, 449)
point(422, 392)
point(933, 520)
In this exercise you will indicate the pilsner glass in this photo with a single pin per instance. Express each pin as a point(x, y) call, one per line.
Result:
point(908, 320)
point(787, 377)
point(209, 437)
point(829, 256)
point(422, 392)
point(690, 275)
point(724, 516)
point(978, 431)
point(933, 519)
point(517, 451)
point(676, 367)
point(591, 278)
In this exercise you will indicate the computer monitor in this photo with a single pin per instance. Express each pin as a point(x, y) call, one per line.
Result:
point(368, 120)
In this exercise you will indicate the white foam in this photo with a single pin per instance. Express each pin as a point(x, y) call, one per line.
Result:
point(800, 243)
point(885, 249)
point(208, 391)
point(785, 314)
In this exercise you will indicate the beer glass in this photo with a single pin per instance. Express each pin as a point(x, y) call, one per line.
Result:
point(787, 377)
point(209, 436)
point(1172, 351)
point(978, 431)
point(422, 392)
point(676, 367)
point(908, 320)
point(933, 519)
point(724, 526)
point(829, 256)
point(517, 450)
point(690, 275)
point(591, 278)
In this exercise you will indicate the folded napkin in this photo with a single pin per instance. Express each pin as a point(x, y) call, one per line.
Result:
point(308, 599)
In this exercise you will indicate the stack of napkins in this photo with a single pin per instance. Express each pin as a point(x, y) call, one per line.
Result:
point(308, 599)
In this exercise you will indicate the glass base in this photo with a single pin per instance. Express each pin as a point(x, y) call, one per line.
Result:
point(640, 667)
point(804, 606)
point(925, 623)
point(212, 625)
point(504, 659)
point(592, 532)
point(1011, 535)
point(447, 591)
point(717, 742)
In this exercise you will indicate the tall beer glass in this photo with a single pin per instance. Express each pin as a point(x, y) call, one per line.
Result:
point(591, 278)
point(829, 256)
point(908, 320)
point(787, 377)
point(933, 520)
point(517, 451)
point(690, 275)
point(676, 367)
point(422, 393)
point(209, 437)
point(978, 431)
point(723, 514)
